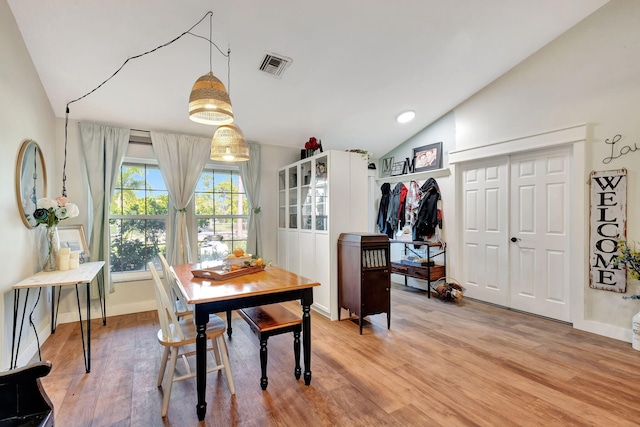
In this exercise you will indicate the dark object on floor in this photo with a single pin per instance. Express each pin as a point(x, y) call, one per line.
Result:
point(24, 401)
point(448, 289)
point(269, 320)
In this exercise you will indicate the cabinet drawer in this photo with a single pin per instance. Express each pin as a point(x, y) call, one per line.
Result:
point(398, 268)
point(435, 273)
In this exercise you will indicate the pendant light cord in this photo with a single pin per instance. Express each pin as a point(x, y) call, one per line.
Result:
point(66, 119)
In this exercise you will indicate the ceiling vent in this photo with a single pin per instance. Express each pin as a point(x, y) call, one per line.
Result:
point(274, 64)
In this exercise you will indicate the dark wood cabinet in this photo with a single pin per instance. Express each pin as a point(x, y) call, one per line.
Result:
point(364, 275)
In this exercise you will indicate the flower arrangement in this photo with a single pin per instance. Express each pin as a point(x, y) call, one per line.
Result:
point(313, 144)
point(630, 258)
point(51, 211)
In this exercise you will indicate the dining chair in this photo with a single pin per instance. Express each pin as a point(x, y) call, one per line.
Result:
point(180, 305)
point(178, 301)
point(175, 334)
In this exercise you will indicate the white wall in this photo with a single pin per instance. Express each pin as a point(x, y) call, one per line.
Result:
point(25, 113)
point(588, 75)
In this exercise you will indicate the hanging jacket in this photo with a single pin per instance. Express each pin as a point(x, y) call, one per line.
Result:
point(394, 206)
point(383, 225)
point(427, 219)
point(414, 195)
point(401, 208)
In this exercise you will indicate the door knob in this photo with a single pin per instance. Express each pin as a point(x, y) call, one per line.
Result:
point(515, 239)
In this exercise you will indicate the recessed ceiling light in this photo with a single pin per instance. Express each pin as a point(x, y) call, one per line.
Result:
point(406, 117)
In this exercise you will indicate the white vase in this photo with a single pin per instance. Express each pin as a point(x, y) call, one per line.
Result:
point(635, 331)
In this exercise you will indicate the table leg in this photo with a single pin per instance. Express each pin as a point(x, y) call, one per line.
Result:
point(53, 310)
point(55, 307)
point(229, 329)
point(84, 350)
point(88, 360)
point(15, 346)
point(102, 297)
point(306, 342)
point(202, 317)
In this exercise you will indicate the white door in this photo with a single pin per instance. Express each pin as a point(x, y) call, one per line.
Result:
point(485, 231)
point(516, 232)
point(540, 223)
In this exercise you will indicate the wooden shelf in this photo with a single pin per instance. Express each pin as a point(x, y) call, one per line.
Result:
point(419, 176)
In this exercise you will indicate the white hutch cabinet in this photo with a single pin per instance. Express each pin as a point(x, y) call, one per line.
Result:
point(319, 198)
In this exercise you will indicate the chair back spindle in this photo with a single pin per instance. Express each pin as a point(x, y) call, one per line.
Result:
point(166, 315)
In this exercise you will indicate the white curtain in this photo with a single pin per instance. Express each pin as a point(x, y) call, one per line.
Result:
point(250, 173)
point(181, 159)
point(104, 148)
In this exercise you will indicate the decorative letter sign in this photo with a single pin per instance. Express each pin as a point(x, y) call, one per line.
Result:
point(608, 225)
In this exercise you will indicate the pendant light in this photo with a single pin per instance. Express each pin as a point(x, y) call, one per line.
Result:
point(228, 144)
point(209, 102)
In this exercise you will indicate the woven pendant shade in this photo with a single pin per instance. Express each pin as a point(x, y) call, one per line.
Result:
point(228, 144)
point(209, 102)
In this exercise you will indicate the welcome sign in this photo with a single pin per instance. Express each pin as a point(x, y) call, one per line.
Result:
point(607, 225)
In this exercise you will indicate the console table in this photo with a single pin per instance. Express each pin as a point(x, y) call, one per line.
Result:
point(421, 270)
point(86, 273)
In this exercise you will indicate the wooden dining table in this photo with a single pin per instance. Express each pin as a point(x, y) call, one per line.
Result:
point(268, 286)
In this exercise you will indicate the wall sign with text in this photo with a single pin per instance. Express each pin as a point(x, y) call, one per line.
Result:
point(607, 225)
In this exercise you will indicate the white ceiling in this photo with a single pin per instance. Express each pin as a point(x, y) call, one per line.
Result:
point(356, 64)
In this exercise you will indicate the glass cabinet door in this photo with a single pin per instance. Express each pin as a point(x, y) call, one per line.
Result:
point(321, 194)
point(306, 196)
point(293, 197)
point(282, 199)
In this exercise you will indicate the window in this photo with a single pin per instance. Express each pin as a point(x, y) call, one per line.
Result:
point(138, 217)
point(222, 213)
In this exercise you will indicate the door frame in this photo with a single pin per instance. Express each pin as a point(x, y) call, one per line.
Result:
point(574, 137)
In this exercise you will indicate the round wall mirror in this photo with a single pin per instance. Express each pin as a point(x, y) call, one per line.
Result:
point(31, 180)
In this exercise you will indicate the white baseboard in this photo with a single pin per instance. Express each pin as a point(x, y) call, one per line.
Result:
point(603, 329)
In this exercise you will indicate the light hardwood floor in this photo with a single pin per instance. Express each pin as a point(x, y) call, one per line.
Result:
point(440, 364)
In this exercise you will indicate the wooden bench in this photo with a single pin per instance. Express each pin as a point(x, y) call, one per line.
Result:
point(269, 320)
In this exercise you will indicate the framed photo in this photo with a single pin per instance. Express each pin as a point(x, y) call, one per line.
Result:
point(73, 237)
point(428, 157)
point(396, 168)
point(385, 166)
point(321, 169)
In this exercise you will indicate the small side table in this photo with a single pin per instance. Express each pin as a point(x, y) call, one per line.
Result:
point(55, 279)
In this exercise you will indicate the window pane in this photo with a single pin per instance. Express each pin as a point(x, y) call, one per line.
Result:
point(239, 204)
point(203, 203)
point(136, 242)
point(205, 183)
point(132, 177)
point(133, 202)
point(222, 202)
point(157, 203)
point(154, 178)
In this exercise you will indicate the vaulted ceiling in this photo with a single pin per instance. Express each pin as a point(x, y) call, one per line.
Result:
point(355, 64)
